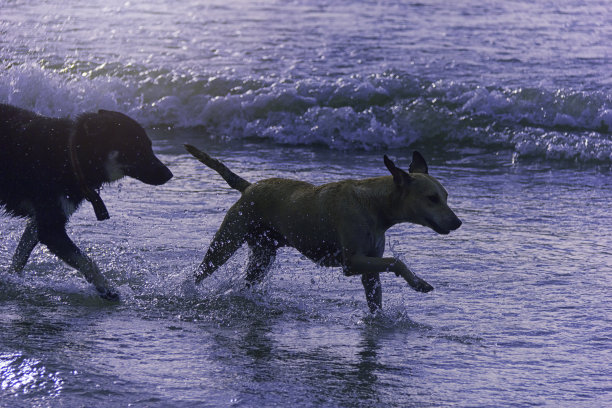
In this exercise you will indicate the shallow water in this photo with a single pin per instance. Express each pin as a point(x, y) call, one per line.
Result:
point(521, 310)
point(511, 105)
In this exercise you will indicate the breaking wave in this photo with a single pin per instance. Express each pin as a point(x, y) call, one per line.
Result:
point(385, 110)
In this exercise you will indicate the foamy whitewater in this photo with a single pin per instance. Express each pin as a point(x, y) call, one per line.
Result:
point(511, 104)
point(533, 78)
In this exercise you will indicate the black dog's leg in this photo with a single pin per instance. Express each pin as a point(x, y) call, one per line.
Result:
point(260, 259)
point(373, 290)
point(55, 238)
point(28, 241)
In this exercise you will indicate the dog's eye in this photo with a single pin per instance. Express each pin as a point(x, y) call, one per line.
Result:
point(434, 199)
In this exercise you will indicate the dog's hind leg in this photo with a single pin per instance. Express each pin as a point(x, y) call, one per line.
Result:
point(373, 290)
point(230, 236)
point(261, 257)
point(28, 241)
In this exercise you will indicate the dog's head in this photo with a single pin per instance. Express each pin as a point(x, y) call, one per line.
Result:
point(121, 147)
point(422, 197)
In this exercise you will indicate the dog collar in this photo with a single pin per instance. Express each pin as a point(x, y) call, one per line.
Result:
point(90, 194)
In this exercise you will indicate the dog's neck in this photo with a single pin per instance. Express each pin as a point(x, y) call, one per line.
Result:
point(89, 193)
point(380, 194)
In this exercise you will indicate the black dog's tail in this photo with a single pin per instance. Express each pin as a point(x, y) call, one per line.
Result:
point(234, 180)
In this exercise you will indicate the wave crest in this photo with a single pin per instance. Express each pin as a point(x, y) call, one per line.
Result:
point(388, 110)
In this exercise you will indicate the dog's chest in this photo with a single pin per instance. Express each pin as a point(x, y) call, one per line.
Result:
point(68, 206)
point(376, 244)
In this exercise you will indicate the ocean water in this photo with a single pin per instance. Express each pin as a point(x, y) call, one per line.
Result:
point(511, 104)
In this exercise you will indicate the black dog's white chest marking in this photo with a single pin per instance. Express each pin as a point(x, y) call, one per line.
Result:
point(113, 168)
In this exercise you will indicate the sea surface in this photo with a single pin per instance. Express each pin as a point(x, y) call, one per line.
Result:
point(511, 104)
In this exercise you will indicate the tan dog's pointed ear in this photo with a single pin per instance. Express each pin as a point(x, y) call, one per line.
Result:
point(418, 164)
point(400, 177)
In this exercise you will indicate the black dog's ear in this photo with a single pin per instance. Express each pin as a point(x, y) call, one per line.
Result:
point(400, 177)
point(110, 113)
point(114, 114)
point(418, 164)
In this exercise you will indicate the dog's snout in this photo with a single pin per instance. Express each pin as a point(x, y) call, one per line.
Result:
point(167, 175)
point(457, 224)
point(152, 172)
point(161, 176)
point(445, 226)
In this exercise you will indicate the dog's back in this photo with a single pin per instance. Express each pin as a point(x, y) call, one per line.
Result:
point(33, 158)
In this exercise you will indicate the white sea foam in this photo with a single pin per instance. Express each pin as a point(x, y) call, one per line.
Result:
point(389, 110)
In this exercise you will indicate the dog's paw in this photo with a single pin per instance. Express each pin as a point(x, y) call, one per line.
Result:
point(421, 286)
point(199, 276)
point(414, 281)
point(108, 294)
point(202, 272)
point(418, 284)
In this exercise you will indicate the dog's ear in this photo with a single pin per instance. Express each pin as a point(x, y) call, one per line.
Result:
point(418, 164)
point(113, 114)
point(89, 125)
point(400, 177)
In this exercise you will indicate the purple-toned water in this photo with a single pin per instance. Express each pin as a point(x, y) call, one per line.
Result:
point(512, 106)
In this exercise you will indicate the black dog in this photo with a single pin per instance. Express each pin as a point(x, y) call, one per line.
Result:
point(48, 166)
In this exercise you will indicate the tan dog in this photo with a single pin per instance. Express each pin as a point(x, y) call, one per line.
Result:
point(335, 224)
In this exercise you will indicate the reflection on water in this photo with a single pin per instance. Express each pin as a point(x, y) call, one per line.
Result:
point(21, 375)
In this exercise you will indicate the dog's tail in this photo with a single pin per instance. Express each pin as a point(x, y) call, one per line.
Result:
point(234, 180)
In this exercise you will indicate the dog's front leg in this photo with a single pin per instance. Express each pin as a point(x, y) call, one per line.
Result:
point(58, 242)
point(373, 290)
point(361, 264)
point(28, 241)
